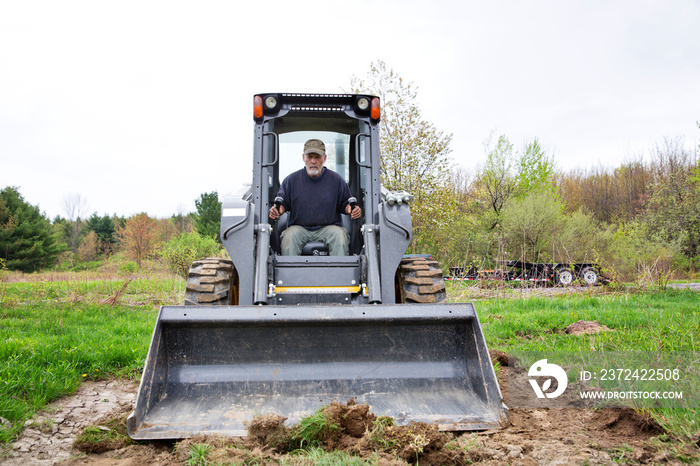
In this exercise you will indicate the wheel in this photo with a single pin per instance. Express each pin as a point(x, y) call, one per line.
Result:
point(590, 276)
point(419, 280)
point(212, 282)
point(563, 276)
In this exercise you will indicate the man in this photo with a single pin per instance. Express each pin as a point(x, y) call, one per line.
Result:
point(315, 197)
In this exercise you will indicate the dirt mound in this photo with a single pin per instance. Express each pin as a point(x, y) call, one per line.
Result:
point(583, 327)
point(268, 430)
point(352, 419)
point(352, 428)
point(625, 422)
point(499, 357)
point(360, 432)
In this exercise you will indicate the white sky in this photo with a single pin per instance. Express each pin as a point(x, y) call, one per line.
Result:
point(144, 105)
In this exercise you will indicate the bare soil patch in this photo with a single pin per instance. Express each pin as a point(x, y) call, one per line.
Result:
point(585, 327)
point(529, 437)
point(48, 438)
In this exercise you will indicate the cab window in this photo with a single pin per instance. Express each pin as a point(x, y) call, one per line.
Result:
point(291, 148)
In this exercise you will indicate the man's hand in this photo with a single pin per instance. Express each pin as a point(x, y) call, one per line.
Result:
point(274, 213)
point(353, 213)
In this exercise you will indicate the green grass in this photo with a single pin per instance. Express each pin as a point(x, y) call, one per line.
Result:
point(320, 457)
point(99, 439)
point(658, 321)
point(311, 430)
point(199, 454)
point(53, 335)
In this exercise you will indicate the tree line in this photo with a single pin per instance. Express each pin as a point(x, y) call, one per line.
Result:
point(640, 217)
point(643, 216)
point(517, 205)
point(29, 241)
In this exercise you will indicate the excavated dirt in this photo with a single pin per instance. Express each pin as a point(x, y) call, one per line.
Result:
point(529, 437)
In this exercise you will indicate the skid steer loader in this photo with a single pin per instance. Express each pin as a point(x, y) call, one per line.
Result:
point(267, 333)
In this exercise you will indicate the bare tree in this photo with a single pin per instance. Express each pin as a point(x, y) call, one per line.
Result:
point(139, 237)
point(415, 154)
point(75, 207)
point(673, 208)
point(181, 219)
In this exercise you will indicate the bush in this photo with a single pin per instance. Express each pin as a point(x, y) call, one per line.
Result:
point(180, 252)
point(635, 252)
point(87, 251)
point(128, 268)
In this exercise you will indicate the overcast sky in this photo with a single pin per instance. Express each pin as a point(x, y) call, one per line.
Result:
point(144, 105)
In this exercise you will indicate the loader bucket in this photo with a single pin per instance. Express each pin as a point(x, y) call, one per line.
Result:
point(209, 370)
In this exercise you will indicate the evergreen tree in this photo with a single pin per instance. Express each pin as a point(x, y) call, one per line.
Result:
point(105, 229)
point(208, 220)
point(27, 240)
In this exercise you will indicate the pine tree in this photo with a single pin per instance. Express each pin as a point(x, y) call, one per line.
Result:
point(27, 240)
point(208, 219)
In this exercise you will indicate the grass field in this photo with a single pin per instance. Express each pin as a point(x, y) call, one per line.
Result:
point(53, 334)
point(650, 321)
point(665, 324)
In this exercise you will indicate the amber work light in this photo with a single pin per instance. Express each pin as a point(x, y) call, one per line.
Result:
point(374, 113)
point(257, 107)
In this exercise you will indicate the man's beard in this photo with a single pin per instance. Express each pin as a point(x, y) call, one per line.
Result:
point(313, 171)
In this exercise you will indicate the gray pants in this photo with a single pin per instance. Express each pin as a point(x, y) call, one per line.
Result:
point(295, 237)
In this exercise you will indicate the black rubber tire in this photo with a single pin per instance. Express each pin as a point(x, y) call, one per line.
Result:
point(420, 280)
point(212, 282)
point(563, 276)
point(590, 276)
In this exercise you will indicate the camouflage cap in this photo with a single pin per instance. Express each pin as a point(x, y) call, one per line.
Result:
point(314, 146)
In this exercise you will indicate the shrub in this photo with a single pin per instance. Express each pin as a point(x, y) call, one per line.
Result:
point(128, 268)
point(87, 251)
point(180, 252)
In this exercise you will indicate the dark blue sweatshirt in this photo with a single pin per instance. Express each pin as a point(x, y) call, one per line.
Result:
point(314, 203)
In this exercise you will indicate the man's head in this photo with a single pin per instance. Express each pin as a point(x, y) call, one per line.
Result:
point(314, 157)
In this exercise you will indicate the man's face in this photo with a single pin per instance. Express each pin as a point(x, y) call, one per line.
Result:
point(314, 164)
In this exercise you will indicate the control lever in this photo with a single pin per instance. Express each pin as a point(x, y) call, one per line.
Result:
point(353, 203)
point(278, 203)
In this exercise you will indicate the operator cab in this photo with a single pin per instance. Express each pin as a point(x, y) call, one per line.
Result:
point(345, 139)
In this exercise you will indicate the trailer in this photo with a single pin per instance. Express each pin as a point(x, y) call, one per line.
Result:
point(546, 273)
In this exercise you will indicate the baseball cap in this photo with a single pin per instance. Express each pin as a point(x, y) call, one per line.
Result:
point(314, 146)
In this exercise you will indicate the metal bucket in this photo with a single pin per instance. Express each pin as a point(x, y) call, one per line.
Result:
point(209, 370)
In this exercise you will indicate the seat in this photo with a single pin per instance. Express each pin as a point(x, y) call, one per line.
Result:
point(312, 248)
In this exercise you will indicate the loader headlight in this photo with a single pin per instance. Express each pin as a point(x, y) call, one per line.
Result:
point(367, 105)
point(270, 102)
